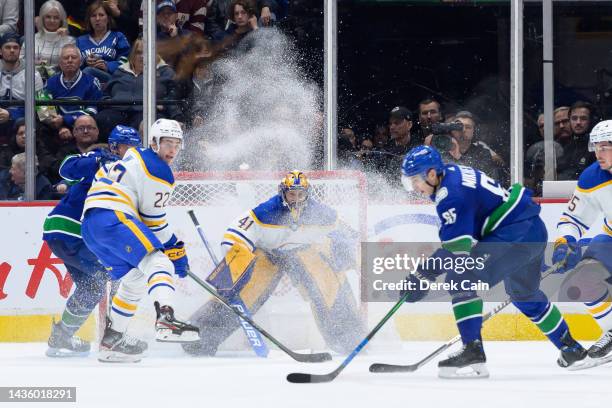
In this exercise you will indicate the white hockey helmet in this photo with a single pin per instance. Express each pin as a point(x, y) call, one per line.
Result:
point(602, 132)
point(165, 128)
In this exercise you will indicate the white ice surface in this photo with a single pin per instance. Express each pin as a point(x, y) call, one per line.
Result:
point(523, 374)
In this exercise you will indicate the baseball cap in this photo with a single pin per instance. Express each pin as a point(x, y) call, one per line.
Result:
point(400, 112)
point(166, 3)
point(10, 37)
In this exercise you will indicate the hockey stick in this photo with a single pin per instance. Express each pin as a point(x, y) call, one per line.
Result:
point(409, 368)
point(253, 336)
point(319, 378)
point(304, 358)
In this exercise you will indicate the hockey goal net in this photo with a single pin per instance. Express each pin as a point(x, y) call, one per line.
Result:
point(217, 199)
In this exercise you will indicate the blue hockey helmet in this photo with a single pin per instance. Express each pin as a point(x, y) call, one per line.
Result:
point(420, 160)
point(123, 135)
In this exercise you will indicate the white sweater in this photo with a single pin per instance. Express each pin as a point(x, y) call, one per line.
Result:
point(47, 47)
point(9, 14)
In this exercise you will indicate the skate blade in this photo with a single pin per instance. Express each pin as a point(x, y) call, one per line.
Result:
point(462, 373)
point(65, 353)
point(589, 363)
point(166, 336)
point(106, 356)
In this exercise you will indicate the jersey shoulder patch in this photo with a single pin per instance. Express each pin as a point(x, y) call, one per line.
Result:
point(593, 178)
point(154, 167)
point(270, 212)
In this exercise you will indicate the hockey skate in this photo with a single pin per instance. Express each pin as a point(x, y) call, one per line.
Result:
point(598, 354)
point(62, 344)
point(572, 353)
point(469, 362)
point(170, 330)
point(117, 347)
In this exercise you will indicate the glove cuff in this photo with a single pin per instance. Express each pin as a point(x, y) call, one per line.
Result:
point(564, 240)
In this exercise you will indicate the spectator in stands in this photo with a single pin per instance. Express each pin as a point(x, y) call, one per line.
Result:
point(52, 35)
point(576, 155)
point(534, 158)
point(267, 10)
point(381, 137)
point(125, 13)
point(470, 152)
point(400, 125)
point(167, 21)
point(102, 50)
point(198, 91)
point(9, 14)
point(347, 148)
point(243, 21)
point(127, 84)
point(85, 134)
point(17, 145)
point(429, 114)
point(562, 130)
point(12, 84)
point(71, 84)
point(12, 181)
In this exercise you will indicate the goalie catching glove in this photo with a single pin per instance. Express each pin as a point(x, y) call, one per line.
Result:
point(177, 254)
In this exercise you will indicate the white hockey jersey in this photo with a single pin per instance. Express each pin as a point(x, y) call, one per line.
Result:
point(592, 199)
point(270, 226)
point(140, 185)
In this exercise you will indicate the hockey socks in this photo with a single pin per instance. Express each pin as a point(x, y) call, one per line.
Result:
point(601, 310)
point(72, 320)
point(547, 317)
point(468, 315)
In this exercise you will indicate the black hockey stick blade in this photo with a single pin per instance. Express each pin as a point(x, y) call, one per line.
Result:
point(302, 378)
point(311, 358)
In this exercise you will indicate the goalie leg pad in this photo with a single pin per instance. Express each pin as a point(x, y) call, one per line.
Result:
point(217, 323)
point(234, 272)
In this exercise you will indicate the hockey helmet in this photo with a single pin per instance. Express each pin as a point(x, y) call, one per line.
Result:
point(298, 182)
point(165, 128)
point(602, 132)
point(418, 162)
point(123, 135)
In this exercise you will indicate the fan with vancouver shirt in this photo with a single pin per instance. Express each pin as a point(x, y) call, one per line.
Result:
point(113, 49)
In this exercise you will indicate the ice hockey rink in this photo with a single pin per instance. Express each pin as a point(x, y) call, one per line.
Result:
point(522, 374)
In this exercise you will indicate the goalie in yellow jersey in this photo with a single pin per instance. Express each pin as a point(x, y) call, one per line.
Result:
point(293, 234)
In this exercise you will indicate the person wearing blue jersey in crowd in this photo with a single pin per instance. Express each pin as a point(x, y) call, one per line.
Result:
point(102, 49)
point(62, 232)
point(480, 219)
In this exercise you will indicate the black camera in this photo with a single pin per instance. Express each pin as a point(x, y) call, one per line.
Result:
point(441, 139)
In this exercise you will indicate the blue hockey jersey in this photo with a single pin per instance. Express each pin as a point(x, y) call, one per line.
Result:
point(64, 221)
point(472, 205)
point(86, 87)
point(114, 49)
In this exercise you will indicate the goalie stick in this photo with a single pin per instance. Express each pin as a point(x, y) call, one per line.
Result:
point(303, 358)
point(253, 336)
point(409, 368)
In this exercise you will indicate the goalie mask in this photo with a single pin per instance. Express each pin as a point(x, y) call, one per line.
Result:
point(294, 190)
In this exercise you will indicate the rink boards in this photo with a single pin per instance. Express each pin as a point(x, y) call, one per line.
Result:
point(34, 284)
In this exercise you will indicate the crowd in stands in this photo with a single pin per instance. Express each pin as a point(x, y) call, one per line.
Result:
point(382, 151)
point(92, 50)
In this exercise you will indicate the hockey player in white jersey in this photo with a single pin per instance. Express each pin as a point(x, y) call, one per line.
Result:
point(290, 234)
point(591, 273)
point(125, 226)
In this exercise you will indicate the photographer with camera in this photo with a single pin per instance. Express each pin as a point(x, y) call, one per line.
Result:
point(455, 140)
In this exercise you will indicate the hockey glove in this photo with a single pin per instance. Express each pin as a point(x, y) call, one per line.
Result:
point(177, 254)
point(104, 156)
point(415, 288)
point(566, 248)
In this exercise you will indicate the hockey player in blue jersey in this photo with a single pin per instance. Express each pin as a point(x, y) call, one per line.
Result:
point(592, 272)
point(125, 225)
point(479, 218)
point(290, 234)
point(62, 232)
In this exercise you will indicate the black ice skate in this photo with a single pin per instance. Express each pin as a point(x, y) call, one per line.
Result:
point(598, 354)
point(118, 347)
point(170, 330)
point(469, 362)
point(62, 344)
point(602, 347)
point(572, 353)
